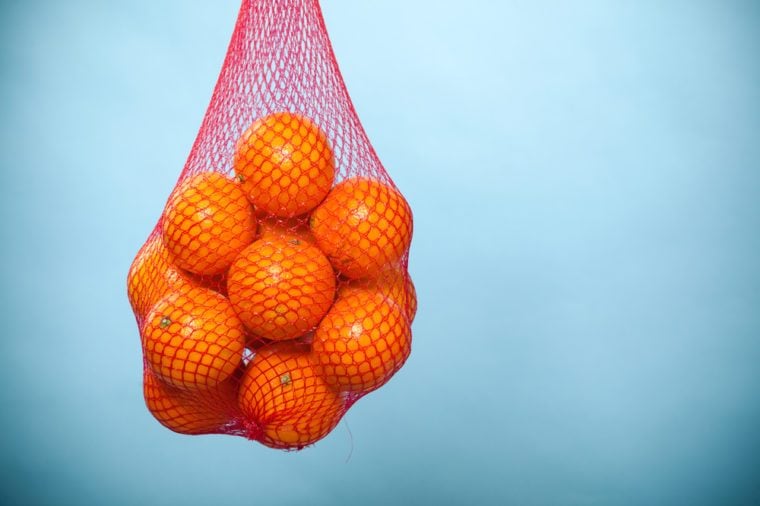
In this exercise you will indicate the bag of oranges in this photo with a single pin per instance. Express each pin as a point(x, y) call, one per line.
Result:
point(273, 292)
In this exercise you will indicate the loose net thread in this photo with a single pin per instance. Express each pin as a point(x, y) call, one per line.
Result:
point(224, 352)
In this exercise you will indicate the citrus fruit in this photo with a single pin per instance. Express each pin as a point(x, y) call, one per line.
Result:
point(361, 342)
point(281, 287)
point(151, 276)
point(193, 338)
point(291, 405)
point(392, 283)
point(189, 412)
point(284, 164)
point(206, 223)
point(363, 226)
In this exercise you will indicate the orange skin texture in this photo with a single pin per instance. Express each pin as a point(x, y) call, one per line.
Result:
point(268, 227)
point(187, 411)
point(284, 164)
point(193, 339)
point(207, 222)
point(281, 287)
point(361, 343)
point(291, 405)
point(363, 226)
point(394, 284)
point(152, 276)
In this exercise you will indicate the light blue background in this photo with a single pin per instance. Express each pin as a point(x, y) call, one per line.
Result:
point(585, 178)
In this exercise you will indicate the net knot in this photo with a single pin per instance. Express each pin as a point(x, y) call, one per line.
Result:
point(252, 430)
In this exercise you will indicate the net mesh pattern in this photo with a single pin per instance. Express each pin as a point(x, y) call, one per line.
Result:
point(273, 292)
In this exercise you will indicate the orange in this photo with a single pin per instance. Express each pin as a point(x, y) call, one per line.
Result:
point(206, 223)
point(363, 226)
point(394, 284)
point(151, 276)
point(284, 164)
point(190, 412)
point(193, 338)
point(271, 227)
point(362, 342)
point(291, 405)
point(281, 287)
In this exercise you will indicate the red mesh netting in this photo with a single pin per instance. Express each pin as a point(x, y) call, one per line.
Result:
point(273, 291)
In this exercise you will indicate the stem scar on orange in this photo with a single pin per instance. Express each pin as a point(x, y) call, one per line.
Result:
point(291, 405)
point(395, 284)
point(193, 338)
point(152, 276)
point(284, 164)
point(190, 412)
point(206, 223)
point(361, 343)
point(281, 287)
point(363, 226)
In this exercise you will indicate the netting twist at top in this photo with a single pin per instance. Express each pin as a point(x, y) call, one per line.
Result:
point(273, 292)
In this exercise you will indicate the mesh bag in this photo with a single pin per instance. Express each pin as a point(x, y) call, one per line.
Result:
point(273, 292)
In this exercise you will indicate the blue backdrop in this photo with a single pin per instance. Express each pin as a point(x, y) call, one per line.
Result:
point(585, 180)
